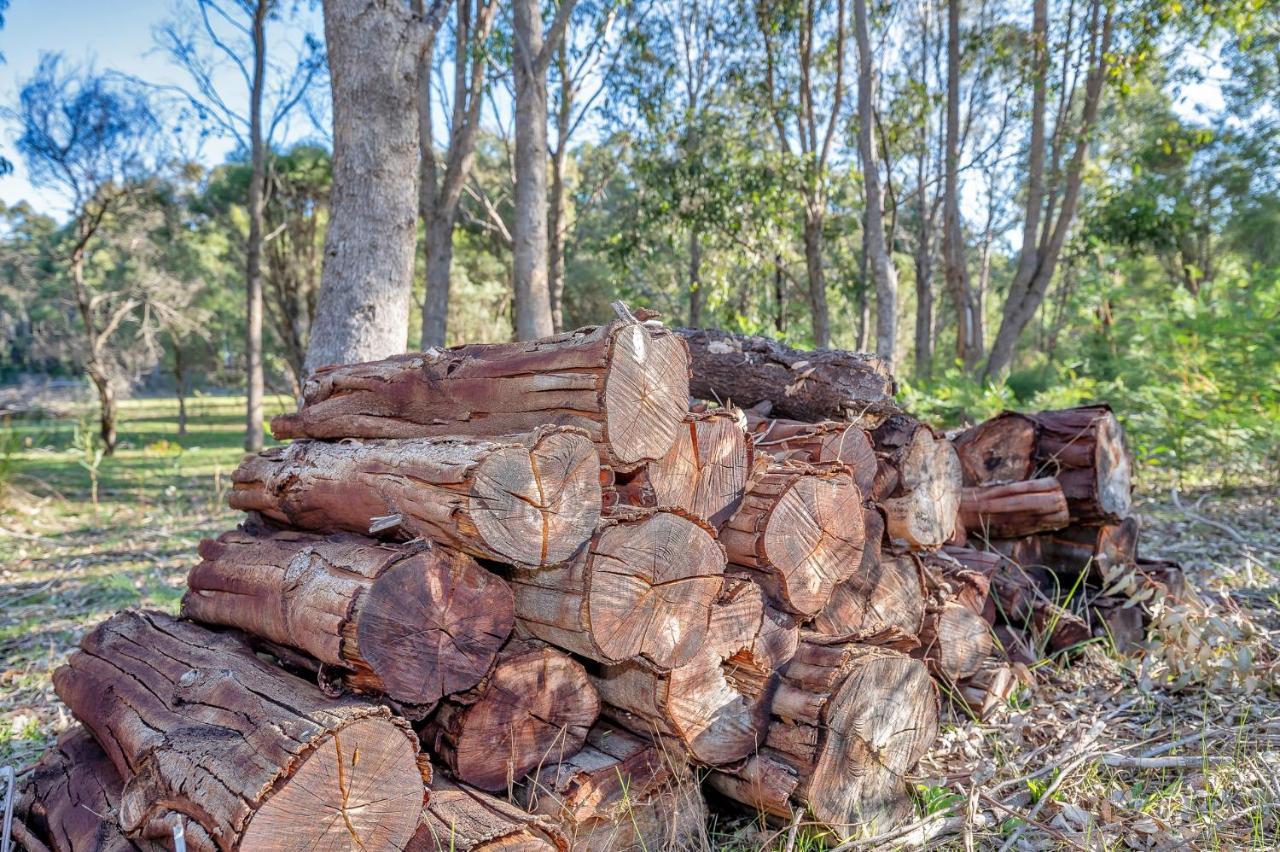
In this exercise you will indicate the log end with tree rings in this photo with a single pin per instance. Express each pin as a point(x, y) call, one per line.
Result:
point(1001, 449)
point(925, 505)
point(646, 391)
point(705, 471)
point(955, 640)
point(885, 596)
point(537, 504)
point(1114, 469)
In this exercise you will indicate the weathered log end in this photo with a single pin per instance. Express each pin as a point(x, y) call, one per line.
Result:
point(1001, 449)
point(459, 818)
point(955, 641)
point(1086, 448)
point(919, 485)
point(885, 596)
point(646, 392)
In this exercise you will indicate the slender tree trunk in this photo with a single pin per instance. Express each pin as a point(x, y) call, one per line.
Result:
point(924, 294)
point(864, 300)
point(435, 308)
point(95, 365)
point(817, 276)
point(367, 279)
point(969, 343)
point(696, 297)
point(779, 296)
point(253, 252)
point(879, 260)
point(557, 227)
point(180, 384)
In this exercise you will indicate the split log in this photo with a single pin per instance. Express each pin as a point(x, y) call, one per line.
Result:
point(705, 472)
point(954, 641)
point(258, 758)
point(848, 722)
point(530, 499)
point(818, 443)
point(626, 384)
point(536, 705)
point(643, 587)
point(1014, 509)
point(1085, 448)
point(1002, 449)
point(827, 384)
point(883, 597)
point(800, 532)
point(1096, 549)
point(918, 485)
point(621, 793)
point(412, 622)
point(715, 706)
point(459, 818)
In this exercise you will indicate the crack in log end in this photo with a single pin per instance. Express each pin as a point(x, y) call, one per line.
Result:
point(646, 393)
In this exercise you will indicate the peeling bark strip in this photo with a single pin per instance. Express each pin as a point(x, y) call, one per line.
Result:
point(800, 531)
point(705, 472)
point(883, 597)
point(531, 499)
point(642, 588)
point(621, 793)
point(626, 384)
point(818, 443)
point(1014, 509)
point(918, 484)
point(827, 384)
point(716, 705)
point(258, 758)
point(1085, 448)
point(414, 623)
point(1001, 449)
point(848, 722)
point(535, 705)
point(463, 819)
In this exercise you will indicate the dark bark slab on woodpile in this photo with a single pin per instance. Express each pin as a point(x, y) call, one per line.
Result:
point(415, 623)
point(827, 384)
point(886, 595)
point(818, 443)
point(620, 793)
point(704, 473)
point(642, 587)
point(537, 704)
point(715, 707)
point(1096, 549)
point(460, 818)
point(258, 758)
point(917, 484)
point(1085, 448)
point(1002, 449)
point(1013, 509)
point(799, 533)
point(626, 384)
point(530, 499)
point(849, 721)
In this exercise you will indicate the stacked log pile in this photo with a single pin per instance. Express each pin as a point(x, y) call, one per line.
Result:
point(534, 596)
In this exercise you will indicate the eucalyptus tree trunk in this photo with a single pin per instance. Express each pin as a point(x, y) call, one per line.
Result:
point(253, 252)
point(969, 334)
point(697, 298)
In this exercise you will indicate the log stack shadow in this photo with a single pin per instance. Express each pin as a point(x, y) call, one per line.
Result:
point(535, 596)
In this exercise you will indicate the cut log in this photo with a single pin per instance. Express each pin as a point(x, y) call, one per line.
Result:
point(716, 706)
point(968, 583)
point(536, 705)
point(530, 499)
point(643, 587)
point(459, 818)
point(705, 472)
point(883, 597)
point(413, 622)
point(1085, 448)
point(258, 758)
point(626, 384)
point(800, 532)
point(1020, 603)
point(1014, 509)
point(918, 486)
point(1003, 449)
point(621, 793)
point(1096, 549)
point(828, 384)
point(818, 443)
point(992, 686)
point(954, 641)
point(848, 722)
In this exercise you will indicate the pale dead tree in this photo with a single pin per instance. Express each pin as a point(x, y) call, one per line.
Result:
point(445, 173)
point(366, 282)
point(879, 260)
point(1053, 188)
point(815, 51)
point(221, 36)
point(964, 298)
point(531, 55)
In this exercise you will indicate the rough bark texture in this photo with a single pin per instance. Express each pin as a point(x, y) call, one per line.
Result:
point(459, 818)
point(799, 533)
point(1085, 448)
point(367, 279)
point(626, 384)
point(817, 443)
point(883, 598)
point(1001, 449)
point(1014, 508)
point(918, 484)
point(715, 707)
point(535, 706)
point(1088, 548)
point(828, 384)
point(414, 623)
point(260, 759)
point(643, 587)
point(848, 722)
point(258, 154)
point(620, 793)
point(704, 473)
point(530, 499)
